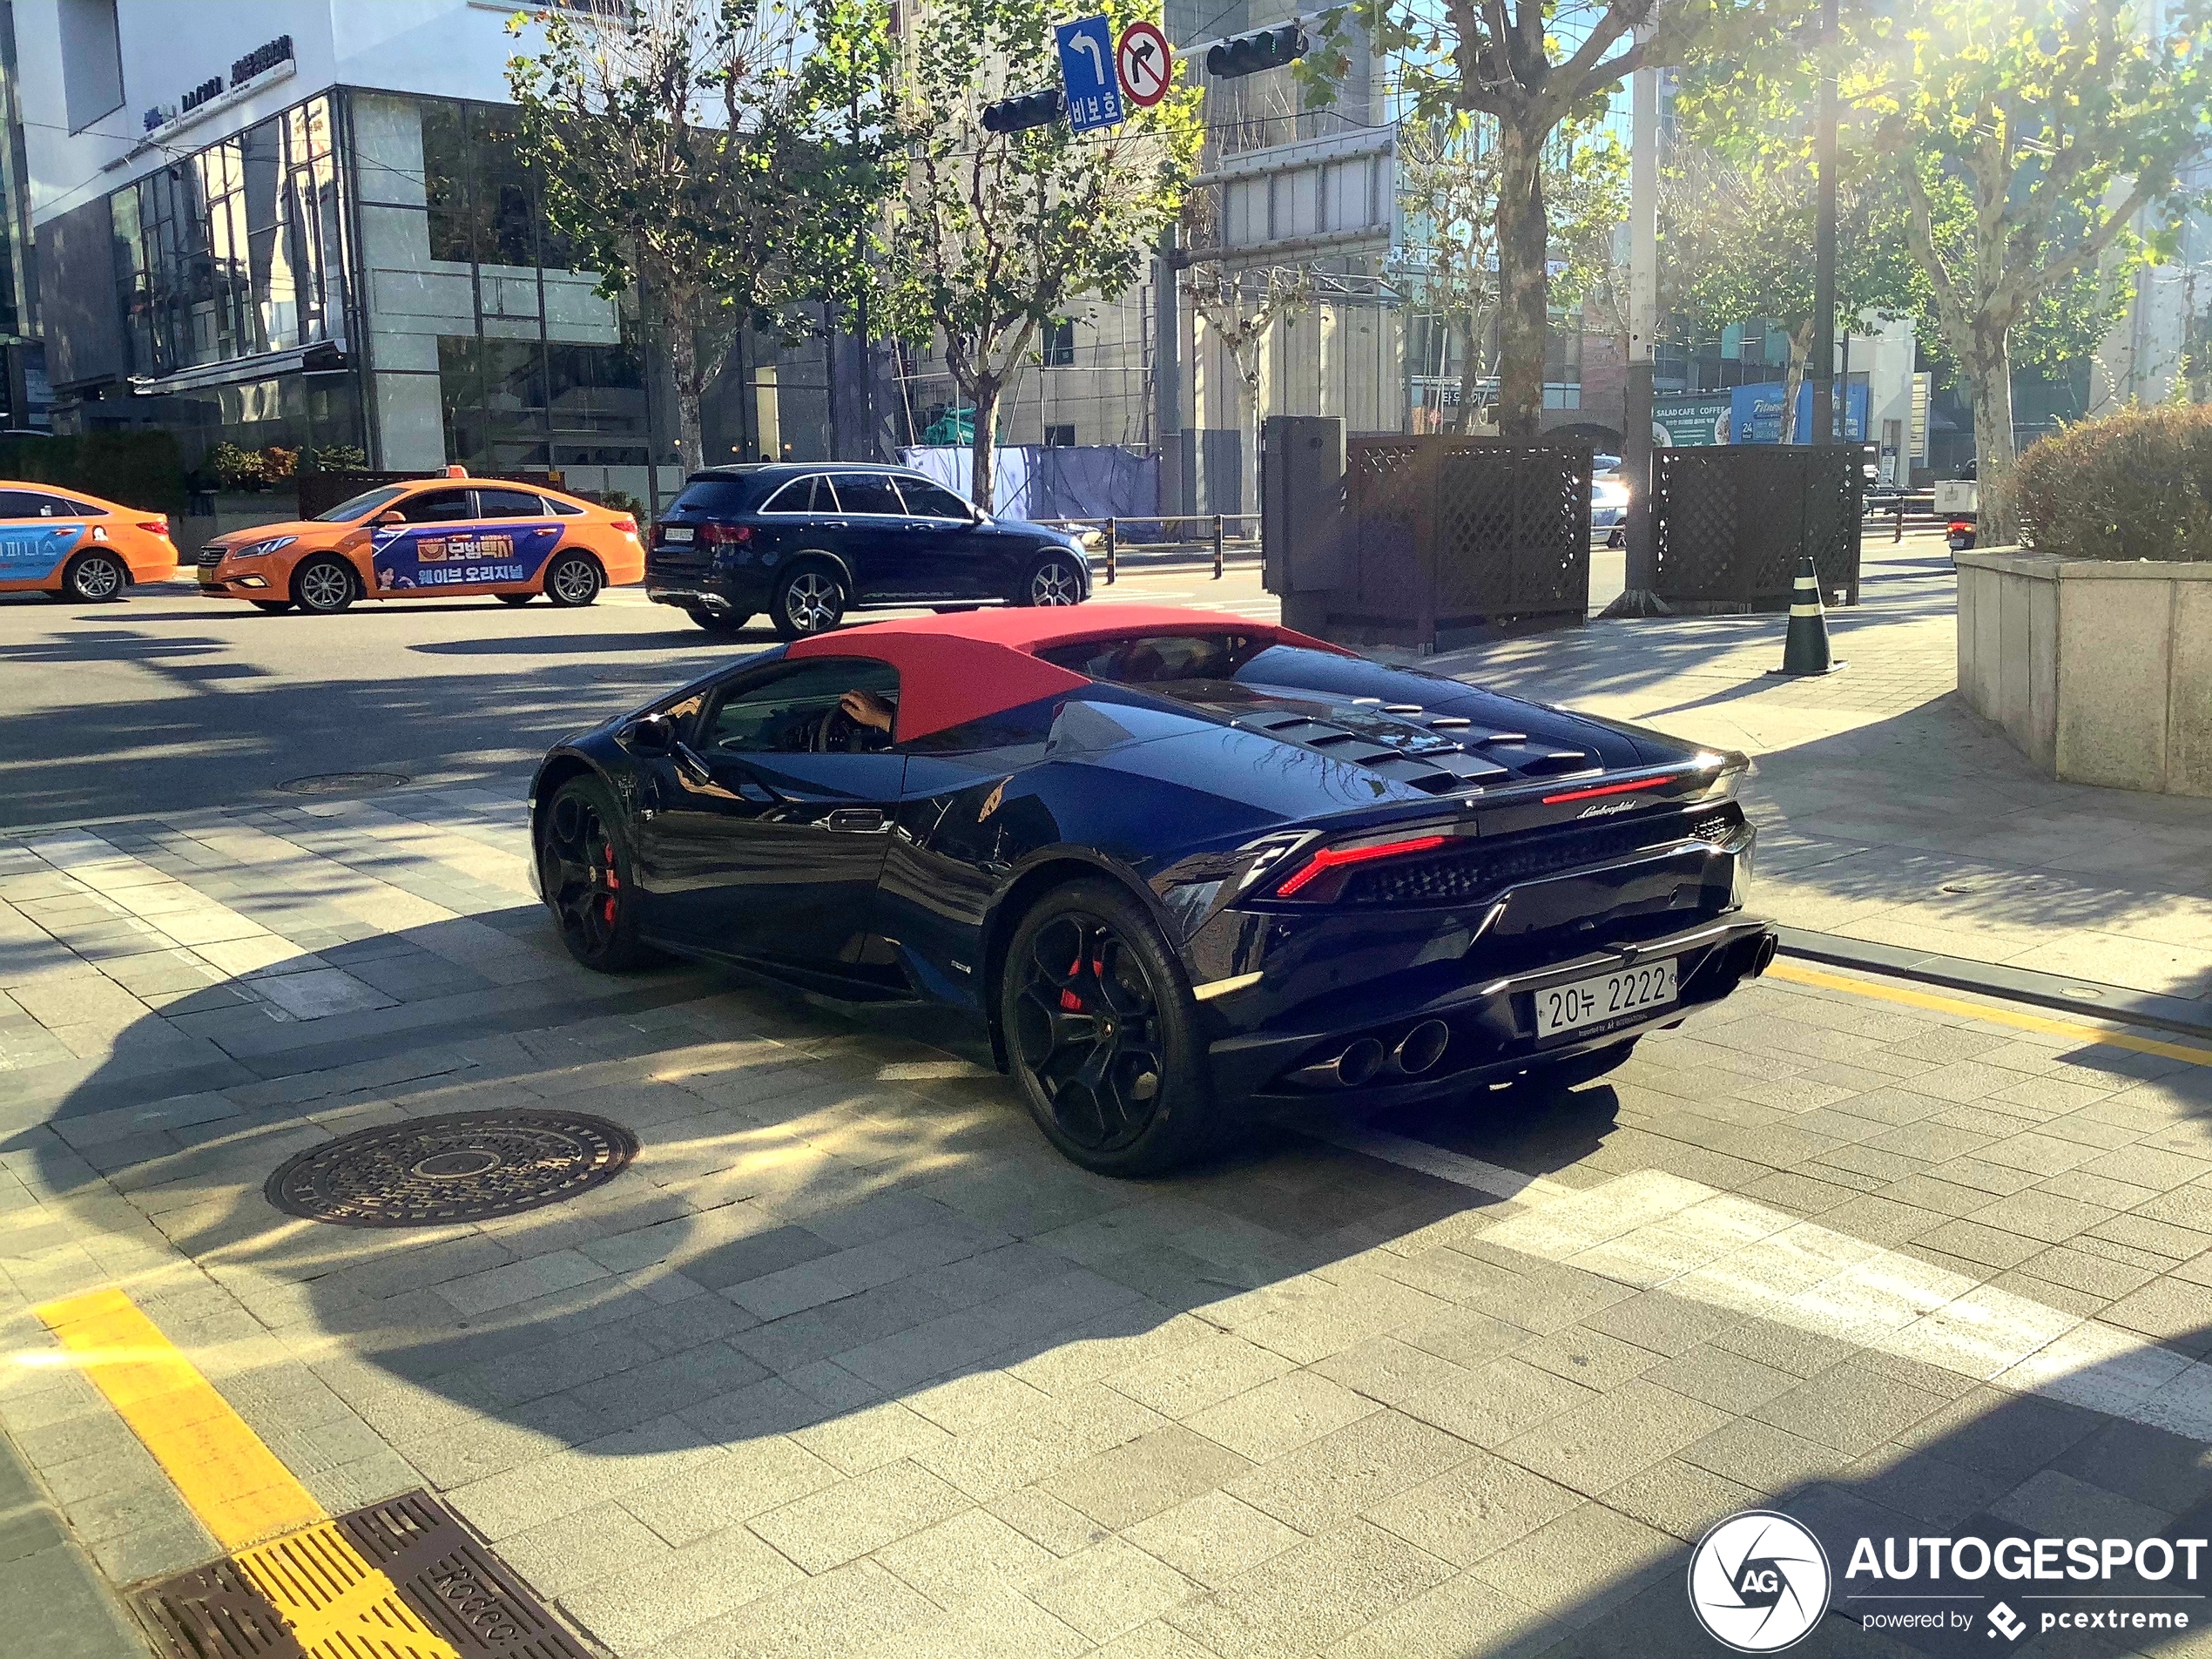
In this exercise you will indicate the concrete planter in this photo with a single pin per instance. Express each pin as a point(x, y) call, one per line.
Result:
point(2099, 672)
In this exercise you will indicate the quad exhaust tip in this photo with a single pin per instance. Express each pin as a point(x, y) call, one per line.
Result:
point(1358, 1062)
point(1422, 1047)
point(1416, 1052)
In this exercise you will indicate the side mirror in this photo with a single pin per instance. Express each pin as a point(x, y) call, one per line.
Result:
point(391, 515)
point(653, 738)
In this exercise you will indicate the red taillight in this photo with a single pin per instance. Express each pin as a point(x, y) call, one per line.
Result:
point(1611, 789)
point(719, 535)
point(627, 526)
point(1335, 857)
point(1962, 526)
point(154, 526)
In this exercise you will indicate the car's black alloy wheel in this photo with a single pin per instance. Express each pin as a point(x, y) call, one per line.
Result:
point(1098, 1026)
point(1053, 580)
point(585, 872)
point(324, 586)
point(95, 578)
point(572, 580)
point(809, 600)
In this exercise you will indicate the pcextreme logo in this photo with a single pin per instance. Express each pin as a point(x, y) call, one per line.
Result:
point(1758, 1582)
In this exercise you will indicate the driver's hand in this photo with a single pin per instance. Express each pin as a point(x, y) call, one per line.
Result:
point(866, 708)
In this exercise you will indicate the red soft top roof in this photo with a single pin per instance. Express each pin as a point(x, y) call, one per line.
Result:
point(962, 667)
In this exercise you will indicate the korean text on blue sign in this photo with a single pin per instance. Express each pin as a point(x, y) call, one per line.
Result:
point(1086, 73)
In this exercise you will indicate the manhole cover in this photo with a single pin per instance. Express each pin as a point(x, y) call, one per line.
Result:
point(344, 783)
point(462, 1166)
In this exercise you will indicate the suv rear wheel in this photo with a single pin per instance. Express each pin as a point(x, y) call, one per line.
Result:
point(808, 600)
point(1054, 579)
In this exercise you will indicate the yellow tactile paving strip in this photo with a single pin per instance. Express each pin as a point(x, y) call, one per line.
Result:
point(322, 1586)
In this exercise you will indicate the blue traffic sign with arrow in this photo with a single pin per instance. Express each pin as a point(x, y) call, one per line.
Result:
point(1087, 71)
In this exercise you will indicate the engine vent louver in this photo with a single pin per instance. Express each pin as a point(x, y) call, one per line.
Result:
point(1436, 754)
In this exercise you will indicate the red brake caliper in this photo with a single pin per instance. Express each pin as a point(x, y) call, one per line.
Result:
point(614, 883)
point(1069, 999)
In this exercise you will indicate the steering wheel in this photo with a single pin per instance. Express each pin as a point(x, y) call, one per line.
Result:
point(838, 732)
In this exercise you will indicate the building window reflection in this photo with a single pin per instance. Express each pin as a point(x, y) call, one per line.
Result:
point(236, 250)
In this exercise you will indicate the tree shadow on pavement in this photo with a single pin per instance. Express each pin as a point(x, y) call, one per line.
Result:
point(845, 1263)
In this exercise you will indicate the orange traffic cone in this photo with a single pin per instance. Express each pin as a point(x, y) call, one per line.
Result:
point(1804, 650)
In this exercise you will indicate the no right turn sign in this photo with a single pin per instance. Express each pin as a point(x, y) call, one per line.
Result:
point(1145, 64)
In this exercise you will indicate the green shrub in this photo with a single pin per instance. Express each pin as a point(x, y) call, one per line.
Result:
point(2135, 485)
point(138, 468)
point(336, 457)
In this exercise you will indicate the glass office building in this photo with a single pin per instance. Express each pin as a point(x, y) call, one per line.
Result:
point(364, 269)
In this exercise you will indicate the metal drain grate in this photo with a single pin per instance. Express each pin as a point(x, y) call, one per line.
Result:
point(462, 1166)
point(343, 783)
point(401, 1579)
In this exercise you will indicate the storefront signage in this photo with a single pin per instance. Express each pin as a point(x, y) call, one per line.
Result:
point(259, 61)
point(1686, 422)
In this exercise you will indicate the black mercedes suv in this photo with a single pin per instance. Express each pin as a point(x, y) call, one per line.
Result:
point(807, 542)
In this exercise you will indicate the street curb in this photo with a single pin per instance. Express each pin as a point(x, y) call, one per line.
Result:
point(2117, 1003)
point(48, 1581)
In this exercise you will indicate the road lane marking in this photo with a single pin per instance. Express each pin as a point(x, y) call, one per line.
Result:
point(1935, 1003)
point(240, 1490)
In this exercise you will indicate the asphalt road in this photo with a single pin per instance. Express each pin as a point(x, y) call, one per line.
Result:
point(170, 702)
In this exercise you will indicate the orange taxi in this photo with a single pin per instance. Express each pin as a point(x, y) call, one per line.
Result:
point(446, 537)
point(77, 546)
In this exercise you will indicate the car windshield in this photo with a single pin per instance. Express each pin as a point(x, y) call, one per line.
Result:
point(1151, 658)
point(362, 505)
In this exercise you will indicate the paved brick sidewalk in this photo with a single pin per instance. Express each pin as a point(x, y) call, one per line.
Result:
point(847, 1362)
point(1890, 811)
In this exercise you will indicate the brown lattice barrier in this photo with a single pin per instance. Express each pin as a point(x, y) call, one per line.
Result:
point(1731, 520)
point(1447, 535)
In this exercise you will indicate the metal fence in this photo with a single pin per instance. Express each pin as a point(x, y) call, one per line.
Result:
point(1448, 535)
point(1731, 520)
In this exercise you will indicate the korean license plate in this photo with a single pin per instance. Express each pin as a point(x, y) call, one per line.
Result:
point(676, 533)
point(1609, 997)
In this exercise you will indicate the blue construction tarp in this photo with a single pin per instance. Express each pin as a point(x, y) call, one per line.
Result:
point(1090, 480)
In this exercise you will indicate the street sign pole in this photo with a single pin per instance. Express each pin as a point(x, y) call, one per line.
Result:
point(1639, 594)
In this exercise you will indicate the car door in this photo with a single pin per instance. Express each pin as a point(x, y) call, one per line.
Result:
point(880, 544)
point(424, 554)
point(37, 533)
point(759, 842)
point(516, 533)
point(948, 554)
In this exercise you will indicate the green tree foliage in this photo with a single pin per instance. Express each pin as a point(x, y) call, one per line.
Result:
point(997, 235)
point(1739, 244)
point(728, 157)
point(1520, 64)
point(2028, 140)
point(1448, 173)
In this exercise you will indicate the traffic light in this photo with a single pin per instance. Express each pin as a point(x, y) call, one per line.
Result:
point(1250, 54)
point(1030, 109)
